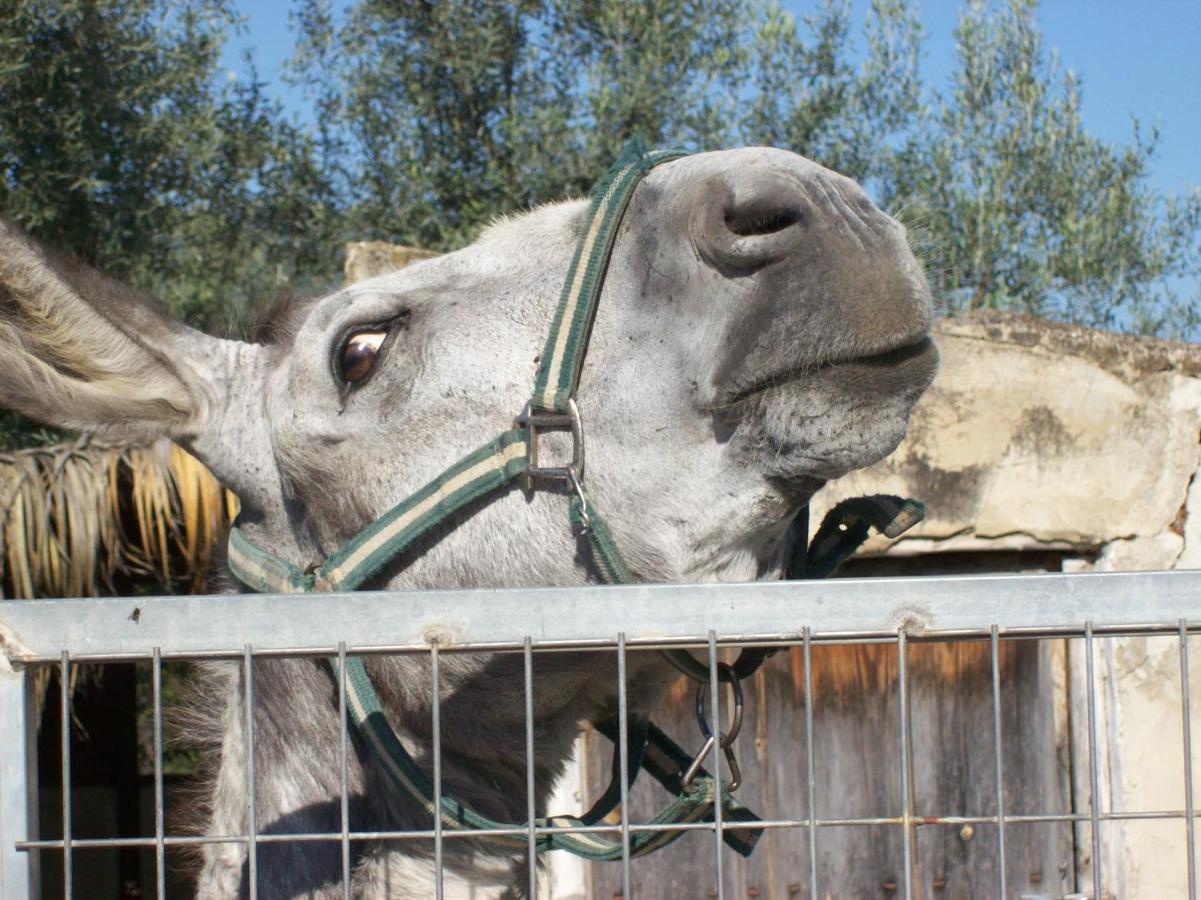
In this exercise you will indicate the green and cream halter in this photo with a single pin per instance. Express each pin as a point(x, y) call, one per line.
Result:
point(513, 454)
point(508, 456)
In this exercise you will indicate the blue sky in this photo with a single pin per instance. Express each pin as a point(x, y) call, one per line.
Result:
point(1136, 59)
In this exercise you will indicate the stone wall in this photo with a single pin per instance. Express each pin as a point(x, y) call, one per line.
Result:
point(366, 259)
point(1040, 436)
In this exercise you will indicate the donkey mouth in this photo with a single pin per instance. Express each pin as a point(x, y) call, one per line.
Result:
point(910, 362)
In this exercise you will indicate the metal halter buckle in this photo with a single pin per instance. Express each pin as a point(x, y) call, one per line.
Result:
point(536, 422)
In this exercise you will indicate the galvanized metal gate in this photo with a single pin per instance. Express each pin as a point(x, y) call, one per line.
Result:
point(899, 618)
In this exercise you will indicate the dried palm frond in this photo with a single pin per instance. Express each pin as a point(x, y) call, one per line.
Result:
point(88, 519)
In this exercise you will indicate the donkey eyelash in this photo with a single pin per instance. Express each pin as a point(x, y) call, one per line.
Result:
point(375, 338)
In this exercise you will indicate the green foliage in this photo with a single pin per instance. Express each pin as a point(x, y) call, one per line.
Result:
point(452, 113)
point(458, 111)
point(811, 98)
point(120, 141)
point(1023, 210)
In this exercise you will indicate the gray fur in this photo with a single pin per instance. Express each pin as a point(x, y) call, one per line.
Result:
point(763, 329)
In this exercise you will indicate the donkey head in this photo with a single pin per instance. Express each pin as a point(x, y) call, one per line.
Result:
point(763, 328)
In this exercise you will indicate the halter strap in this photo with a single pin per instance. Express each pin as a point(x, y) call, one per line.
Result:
point(662, 758)
point(488, 469)
point(566, 345)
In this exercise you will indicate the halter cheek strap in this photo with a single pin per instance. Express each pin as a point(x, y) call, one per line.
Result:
point(489, 468)
point(511, 454)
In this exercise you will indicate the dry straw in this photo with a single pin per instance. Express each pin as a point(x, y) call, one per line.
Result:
point(89, 519)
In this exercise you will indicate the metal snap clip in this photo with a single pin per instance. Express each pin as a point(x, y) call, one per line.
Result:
point(726, 739)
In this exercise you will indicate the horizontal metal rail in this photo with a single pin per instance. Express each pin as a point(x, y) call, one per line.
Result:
point(428, 834)
point(617, 619)
point(221, 626)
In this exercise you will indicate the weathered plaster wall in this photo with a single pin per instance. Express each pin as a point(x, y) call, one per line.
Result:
point(1040, 435)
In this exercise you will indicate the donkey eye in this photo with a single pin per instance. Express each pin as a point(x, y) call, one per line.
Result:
point(358, 355)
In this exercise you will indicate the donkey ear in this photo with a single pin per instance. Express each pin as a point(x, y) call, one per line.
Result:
point(81, 351)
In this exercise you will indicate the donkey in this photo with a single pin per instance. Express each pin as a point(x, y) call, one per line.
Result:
point(763, 328)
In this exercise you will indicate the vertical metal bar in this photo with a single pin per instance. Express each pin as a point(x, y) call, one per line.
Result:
point(64, 674)
point(1093, 766)
point(530, 806)
point(715, 713)
point(906, 787)
point(623, 751)
point(344, 770)
point(994, 652)
point(160, 855)
point(18, 784)
point(810, 767)
point(436, 724)
point(1186, 719)
point(252, 823)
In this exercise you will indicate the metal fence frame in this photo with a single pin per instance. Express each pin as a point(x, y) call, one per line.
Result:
point(706, 617)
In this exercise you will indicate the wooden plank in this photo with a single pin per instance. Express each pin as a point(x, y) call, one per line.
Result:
point(856, 758)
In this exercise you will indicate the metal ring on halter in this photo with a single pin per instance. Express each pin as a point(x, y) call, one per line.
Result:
point(727, 737)
point(726, 740)
point(537, 422)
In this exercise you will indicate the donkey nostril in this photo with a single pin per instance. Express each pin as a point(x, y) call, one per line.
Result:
point(750, 221)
